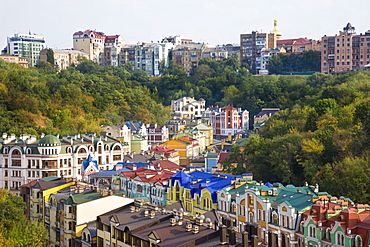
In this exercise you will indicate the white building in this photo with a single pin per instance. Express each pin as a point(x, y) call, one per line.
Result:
point(25, 158)
point(26, 45)
point(91, 42)
point(187, 107)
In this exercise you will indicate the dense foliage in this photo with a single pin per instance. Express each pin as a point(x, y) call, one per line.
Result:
point(79, 99)
point(308, 61)
point(15, 229)
point(321, 135)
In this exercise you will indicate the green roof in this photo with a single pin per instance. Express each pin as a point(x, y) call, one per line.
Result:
point(85, 197)
point(50, 178)
point(49, 140)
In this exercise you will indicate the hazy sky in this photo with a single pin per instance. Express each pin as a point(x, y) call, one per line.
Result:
point(209, 21)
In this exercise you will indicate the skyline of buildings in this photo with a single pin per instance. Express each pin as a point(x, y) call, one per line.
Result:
point(256, 47)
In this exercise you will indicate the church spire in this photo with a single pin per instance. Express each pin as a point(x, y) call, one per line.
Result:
point(276, 30)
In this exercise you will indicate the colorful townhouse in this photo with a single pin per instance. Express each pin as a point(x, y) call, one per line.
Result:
point(187, 147)
point(147, 184)
point(229, 121)
point(165, 153)
point(71, 213)
point(39, 192)
point(198, 189)
point(271, 209)
point(335, 221)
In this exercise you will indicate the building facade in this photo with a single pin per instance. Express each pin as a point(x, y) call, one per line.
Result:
point(64, 58)
point(346, 51)
point(22, 61)
point(229, 120)
point(26, 45)
point(26, 158)
point(188, 107)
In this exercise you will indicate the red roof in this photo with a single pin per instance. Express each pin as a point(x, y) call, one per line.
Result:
point(293, 41)
point(223, 156)
point(98, 35)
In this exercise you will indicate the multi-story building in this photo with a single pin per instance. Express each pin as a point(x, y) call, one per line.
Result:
point(22, 61)
point(188, 55)
point(120, 132)
point(187, 107)
point(71, 213)
point(229, 120)
point(334, 221)
point(26, 45)
point(346, 51)
point(157, 135)
point(91, 42)
point(112, 48)
point(64, 58)
point(26, 158)
point(262, 61)
point(271, 209)
point(299, 45)
point(251, 46)
point(151, 184)
point(216, 53)
point(37, 192)
point(198, 189)
point(102, 49)
point(187, 148)
point(146, 56)
point(176, 125)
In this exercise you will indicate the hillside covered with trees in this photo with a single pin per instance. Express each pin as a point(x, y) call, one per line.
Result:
point(321, 135)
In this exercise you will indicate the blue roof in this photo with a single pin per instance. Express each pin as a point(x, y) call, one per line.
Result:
point(203, 180)
point(268, 184)
point(86, 163)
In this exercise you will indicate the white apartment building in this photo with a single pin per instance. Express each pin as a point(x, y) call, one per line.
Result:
point(26, 45)
point(187, 107)
point(26, 158)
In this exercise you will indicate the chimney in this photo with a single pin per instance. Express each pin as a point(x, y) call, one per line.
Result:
point(195, 229)
point(146, 212)
point(173, 221)
point(189, 226)
point(255, 241)
point(232, 236)
point(132, 209)
point(245, 239)
point(152, 214)
point(223, 232)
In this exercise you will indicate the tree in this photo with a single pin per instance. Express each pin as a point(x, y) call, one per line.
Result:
point(15, 229)
point(50, 56)
point(275, 65)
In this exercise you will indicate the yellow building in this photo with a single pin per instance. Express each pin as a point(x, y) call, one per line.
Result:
point(198, 189)
point(188, 148)
point(39, 195)
point(70, 214)
point(64, 58)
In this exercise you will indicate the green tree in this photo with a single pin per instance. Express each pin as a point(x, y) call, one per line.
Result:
point(50, 56)
point(15, 229)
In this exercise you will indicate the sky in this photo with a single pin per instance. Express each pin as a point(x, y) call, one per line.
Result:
point(208, 21)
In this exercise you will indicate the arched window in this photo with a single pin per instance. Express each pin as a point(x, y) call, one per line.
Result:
point(340, 239)
point(69, 225)
point(358, 241)
point(84, 236)
point(88, 238)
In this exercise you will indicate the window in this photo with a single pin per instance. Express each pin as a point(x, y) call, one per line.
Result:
point(340, 239)
point(312, 231)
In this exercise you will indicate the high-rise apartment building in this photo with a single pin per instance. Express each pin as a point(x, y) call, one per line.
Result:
point(26, 45)
point(251, 46)
point(346, 51)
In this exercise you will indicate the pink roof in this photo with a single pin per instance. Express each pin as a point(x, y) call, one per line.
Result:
point(293, 41)
point(223, 156)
